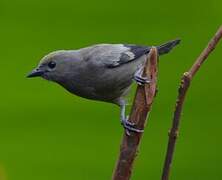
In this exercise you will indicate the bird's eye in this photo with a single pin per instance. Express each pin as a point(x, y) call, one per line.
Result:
point(51, 64)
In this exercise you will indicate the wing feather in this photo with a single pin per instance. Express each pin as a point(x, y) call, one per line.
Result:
point(113, 55)
point(130, 53)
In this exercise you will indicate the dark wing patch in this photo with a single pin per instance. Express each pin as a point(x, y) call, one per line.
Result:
point(134, 52)
point(138, 50)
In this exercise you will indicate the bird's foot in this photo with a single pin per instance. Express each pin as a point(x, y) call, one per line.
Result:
point(139, 78)
point(130, 127)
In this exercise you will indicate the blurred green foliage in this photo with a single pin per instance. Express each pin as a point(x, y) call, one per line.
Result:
point(49, 134)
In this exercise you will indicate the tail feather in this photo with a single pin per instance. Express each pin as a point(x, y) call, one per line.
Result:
point(165, 48)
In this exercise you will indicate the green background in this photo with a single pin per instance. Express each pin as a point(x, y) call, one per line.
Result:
point(49, 134)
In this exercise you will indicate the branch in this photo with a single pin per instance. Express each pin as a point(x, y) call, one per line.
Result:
point(185, 83)
point(141, 107)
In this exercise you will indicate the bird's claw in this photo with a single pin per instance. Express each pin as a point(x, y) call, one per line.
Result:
point(141, 80)
point(130, 127)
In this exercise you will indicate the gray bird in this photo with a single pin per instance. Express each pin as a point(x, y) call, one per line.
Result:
point(101, 72)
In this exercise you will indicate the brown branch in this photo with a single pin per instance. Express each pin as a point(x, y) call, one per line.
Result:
point(141, 107)
point(185, 83)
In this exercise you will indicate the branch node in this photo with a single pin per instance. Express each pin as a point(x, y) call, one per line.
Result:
point(173, 134)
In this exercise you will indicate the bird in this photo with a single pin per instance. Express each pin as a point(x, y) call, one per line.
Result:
point(102, 72)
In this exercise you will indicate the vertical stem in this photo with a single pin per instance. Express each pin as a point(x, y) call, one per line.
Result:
point(185, 83)
point(141, 107)
point(173, 133)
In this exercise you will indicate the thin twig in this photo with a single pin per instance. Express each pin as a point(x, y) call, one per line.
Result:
point(185, 83)
point(141, 107)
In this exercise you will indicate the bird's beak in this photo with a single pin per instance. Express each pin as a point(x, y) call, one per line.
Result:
point(35, 73)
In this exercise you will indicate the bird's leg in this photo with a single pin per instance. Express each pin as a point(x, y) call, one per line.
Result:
point(139, 78)
point(129, 126)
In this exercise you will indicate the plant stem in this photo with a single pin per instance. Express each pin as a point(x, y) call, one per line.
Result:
point(185, 83)
point(141, 107)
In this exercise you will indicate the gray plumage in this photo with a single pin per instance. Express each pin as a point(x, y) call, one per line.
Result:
point(101, 72)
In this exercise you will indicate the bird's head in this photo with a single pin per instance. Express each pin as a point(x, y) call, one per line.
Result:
point(54, 66)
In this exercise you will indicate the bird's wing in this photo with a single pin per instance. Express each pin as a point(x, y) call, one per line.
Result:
point(126, 53)
point(114, 55)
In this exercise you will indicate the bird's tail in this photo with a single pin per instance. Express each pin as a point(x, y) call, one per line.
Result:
point(165, 48)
